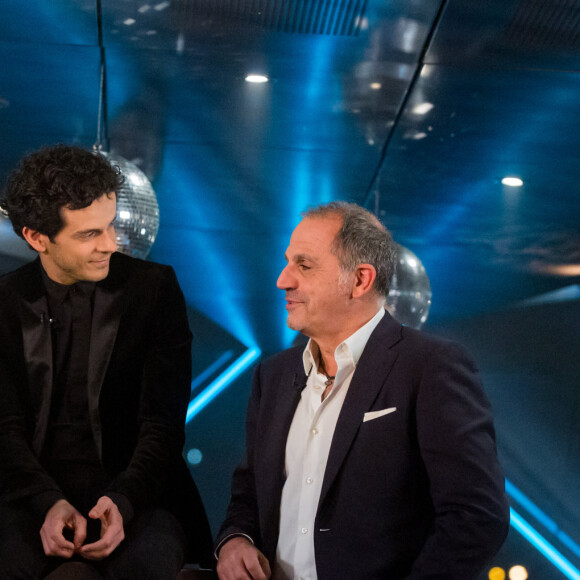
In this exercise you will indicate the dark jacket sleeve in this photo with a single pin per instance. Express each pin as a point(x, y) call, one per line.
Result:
point(242, 515)
point(164, 390)
point(457, 445)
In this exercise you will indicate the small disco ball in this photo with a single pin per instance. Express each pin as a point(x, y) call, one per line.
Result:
point(409, 298)
point(137, 209)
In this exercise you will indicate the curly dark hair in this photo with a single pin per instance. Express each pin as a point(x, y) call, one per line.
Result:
point(52, 178)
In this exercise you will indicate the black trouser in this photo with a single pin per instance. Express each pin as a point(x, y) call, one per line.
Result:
point(153, 549)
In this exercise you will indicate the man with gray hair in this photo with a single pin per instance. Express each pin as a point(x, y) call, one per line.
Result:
point(370, 454)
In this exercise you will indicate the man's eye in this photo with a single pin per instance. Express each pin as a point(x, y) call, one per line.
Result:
point(304, 267)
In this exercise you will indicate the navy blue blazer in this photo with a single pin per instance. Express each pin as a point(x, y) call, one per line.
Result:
point(138, 392)
point(417, 493)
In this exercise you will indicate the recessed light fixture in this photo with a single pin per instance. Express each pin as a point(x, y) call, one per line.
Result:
point(254, 78)
point(512, 181)
point(423, 108)
point(375, 86)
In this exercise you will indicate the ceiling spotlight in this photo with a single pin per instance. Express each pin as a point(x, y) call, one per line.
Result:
point(256, 79)
point(423, 108)
point(512, 181)
point(375, 86)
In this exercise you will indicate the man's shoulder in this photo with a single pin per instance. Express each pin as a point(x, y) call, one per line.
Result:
point(123, 267)
point(285, 358)
point(9, 279)
point(123, 262)
point(412, 343)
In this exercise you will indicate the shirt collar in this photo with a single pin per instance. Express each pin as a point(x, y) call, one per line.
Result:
point(58, 292)
point(351, 348)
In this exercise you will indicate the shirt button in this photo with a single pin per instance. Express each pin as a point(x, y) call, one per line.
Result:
point(315, 431)
point(304, 531)
point(309, 480)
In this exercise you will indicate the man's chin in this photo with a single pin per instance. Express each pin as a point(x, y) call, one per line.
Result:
point(96, 275)
point(294, 324)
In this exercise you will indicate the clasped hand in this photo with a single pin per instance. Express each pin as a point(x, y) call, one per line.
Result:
point(62, 515)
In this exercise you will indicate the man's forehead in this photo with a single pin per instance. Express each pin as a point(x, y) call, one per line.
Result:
point(316, 232)
point(76, 217)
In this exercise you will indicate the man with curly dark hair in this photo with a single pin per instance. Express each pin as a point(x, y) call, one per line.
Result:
point(95, 371)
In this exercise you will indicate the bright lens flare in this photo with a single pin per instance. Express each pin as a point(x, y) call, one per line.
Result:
point(496, 574)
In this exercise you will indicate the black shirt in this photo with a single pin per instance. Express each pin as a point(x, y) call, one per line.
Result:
point(69, 453)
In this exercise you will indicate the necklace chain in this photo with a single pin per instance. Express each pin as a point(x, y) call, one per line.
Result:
point(322, 369)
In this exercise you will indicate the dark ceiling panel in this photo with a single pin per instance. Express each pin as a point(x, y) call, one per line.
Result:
point(440, 185)
point(50, 21)
point(50, 91)
point(294, 16)
point(515, 33)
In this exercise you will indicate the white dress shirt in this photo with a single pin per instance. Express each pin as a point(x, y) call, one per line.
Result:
point(307, 449)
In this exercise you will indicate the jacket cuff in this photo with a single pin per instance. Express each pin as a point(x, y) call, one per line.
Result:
point(123, 505)
point(43, 501)
point(216, 552)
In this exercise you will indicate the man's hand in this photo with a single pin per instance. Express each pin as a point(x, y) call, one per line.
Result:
point(60, 516)
point(239, 559)
point(112, 533)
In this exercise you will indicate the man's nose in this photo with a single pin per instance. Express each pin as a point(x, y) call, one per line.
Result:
point(285, 280)
point(107, 242)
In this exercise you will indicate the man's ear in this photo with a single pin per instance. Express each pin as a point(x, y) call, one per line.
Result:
point(37, 240)
point(364, 277)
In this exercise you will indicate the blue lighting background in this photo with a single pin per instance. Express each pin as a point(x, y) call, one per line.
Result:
point(233, 165)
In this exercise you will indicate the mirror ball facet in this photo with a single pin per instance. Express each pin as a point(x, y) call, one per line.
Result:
point(137, 210)
point(409, 298)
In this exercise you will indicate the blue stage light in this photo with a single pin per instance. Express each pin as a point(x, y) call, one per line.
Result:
point(531, 507)
point(211, 369)
point(541, 517)
point(221, 382)
point(543, 546)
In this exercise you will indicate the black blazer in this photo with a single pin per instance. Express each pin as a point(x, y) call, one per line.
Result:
point(139, 388)
point(416, 493)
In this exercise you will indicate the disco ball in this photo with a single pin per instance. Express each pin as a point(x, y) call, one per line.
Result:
point(409, 298)
point(137, 209)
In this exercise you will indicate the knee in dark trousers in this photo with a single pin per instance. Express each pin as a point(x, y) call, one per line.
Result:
point(153, 549)
point(21, 554)
point(74, 571)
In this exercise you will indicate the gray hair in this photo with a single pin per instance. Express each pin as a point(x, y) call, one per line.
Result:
point(362, 239)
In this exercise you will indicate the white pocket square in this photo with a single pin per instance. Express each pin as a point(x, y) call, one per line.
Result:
point(375, 414)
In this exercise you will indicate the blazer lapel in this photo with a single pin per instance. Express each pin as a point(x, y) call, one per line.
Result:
point(273, 446)
point(37, 345)
point(270, 475)
point(107, 310)
point(368, 379)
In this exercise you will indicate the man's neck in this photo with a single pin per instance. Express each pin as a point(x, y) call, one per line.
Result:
point(326, 346)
